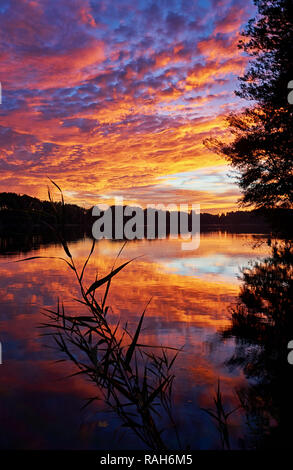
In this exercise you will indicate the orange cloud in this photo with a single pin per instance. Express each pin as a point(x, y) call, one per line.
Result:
point(105, 103)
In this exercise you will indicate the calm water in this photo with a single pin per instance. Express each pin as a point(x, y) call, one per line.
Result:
point(191, 293)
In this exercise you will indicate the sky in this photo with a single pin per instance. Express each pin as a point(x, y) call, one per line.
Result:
point(113, 98)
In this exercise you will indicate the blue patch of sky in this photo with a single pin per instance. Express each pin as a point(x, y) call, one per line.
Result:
point(5, 4)
point(204, 179)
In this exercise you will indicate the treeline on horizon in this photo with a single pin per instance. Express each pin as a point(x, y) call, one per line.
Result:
point(20, 213)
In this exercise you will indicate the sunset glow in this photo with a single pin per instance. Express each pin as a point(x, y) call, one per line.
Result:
point(115, 98)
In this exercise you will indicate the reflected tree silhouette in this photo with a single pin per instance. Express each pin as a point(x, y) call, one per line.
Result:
point(262, 326)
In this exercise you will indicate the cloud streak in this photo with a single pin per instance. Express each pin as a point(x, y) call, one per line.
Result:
point(109, 97)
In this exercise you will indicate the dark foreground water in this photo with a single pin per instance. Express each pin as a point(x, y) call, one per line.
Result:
point(192, 296)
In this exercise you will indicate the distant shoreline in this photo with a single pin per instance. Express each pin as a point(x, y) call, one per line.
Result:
point(28, 216)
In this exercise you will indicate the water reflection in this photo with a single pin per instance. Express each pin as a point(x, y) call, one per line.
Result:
point(26, 242)
point(262, 325)
point(191, 293)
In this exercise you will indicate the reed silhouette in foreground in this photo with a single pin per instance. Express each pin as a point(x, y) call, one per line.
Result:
point(134, 379)
point(220, 416)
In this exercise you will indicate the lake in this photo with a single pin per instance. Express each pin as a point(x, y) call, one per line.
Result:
point(191, 294)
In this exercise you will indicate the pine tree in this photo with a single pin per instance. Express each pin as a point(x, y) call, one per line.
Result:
point(262, 137)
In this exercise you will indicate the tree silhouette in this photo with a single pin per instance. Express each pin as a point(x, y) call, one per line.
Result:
point(261, 145)
point(262, 325)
